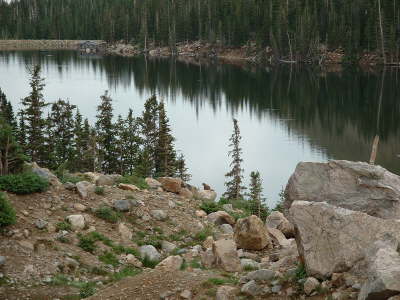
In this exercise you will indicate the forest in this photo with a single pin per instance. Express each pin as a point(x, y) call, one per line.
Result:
point(292, 28)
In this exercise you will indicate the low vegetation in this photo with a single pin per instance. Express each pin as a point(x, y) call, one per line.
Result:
point(99, 190)
point(23, 184)
point(107, 214)
point(135, 180)
point(7, 212)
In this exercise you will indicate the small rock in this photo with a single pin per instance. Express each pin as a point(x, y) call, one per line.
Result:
point(185, 193)
point(173, 185)
point(159, 215)
point(69, 186)
point(128, 187)
point(221, 217)
point(207, 258)
point(171, 204)
point(251, 234)
point(150, 252)
point(122, 205)
point(228, 208)
point(41, 224)
point(205, 195)
point(276, 289)
point(171, 263)
point(104, 180)
point(249, 263)
point(259, 275)
point(226, 292)
point(167, 246)
point(226, 229)
point(310, 285)
point(79, 207)
point(225, 253)
point(152, 183)
point(84, 188)
point(125, 232)
point(132, 260)
point(209, 241)
point(77, 222)
point(251, 289)
point(201, 213)
point(2, 261)
point(186, 294)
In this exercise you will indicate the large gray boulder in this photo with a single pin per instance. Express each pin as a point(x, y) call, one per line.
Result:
point(220, 217)
point(170, 184)
point(276, 220)
point(331, 239)
point(356, 186)
point(383, 272)
point(85, 188)
point(45, 174)
point(225, 253)
point(150, 252)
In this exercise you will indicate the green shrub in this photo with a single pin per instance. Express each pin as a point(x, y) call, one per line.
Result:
point(7, 212)
point(135, 180)
point(210, 206)
point(202, 235)
point(279, 204)
point(23, 184)
point(99, 190)
point(87, 243)
point(125, 272)
point(61, 226)
point(148, 263)
point(107, 214)
point(87, 290)
point(67, 177)
point(301, 272)
point(109, 258)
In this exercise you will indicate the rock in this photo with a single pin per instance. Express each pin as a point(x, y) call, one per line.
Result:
point(209, 241)
point(150, 252)
point(27, 245)
point(69, 186)
point(384, 270)
point(355, 186)
point(228, 208)
point(279, 237)
point(186, 294)
point(2, 261)
point(77, 222)
point(225, 253)
point(132, 260)
point(71, 263)
point(221, 217)
point(159, 214)
point(167, 246)
point(171, 204)
point(41, 224)
point(262, 275)
point(310, 285)
point(207, 258)
point(251, 234)
point(226, 228)
point(152, 183)
point(249, 263)
point(45, 174)
point(205, 195)
point(169, 184)
point(122, 205)
point(171, 263)
point(277, 220)
point(276, 288)
point(79, 207)
point(333, 240)
point(92, 176)
point(84, 188)
point(226, 292)
point(251, 289)
point(201, 213)
point(186, 193)
point(128, 187)
point(125, 232)
point(104, 180)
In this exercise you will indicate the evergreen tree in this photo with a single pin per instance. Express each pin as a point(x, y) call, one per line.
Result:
point(34, 122)
point(21, 130)
point(79, 144)
point(181, 169)
point(132, 142)
point(106, 135)
point(149, 131)
point(91, 152)
point(235, 184)
point(6, 111)
point(11, 154)
point(165, 155)
point(61, 125)
point(255, 191)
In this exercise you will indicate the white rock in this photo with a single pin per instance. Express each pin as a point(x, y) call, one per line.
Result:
point(150, 252)
point(77, 222)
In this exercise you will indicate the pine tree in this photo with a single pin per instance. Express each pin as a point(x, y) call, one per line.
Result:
point(120, 146)
point(235, 184)
point(61, 126)
point(165, 158)
point(181, 169)
point(106, 135)
point(132, 142)
point(149, 131)
point(11, 154)
point(6, 111)
point(90, 155)
point(34, 105)
point(255, 193)
point(21, 137)
point(79, 144)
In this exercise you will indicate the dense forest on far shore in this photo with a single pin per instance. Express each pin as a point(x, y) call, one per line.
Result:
point(292, 28)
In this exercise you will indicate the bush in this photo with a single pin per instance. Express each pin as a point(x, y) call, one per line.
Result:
point(87, 290)
point(109, 258)
point(135, 180)
point(87, 243)
point(7, 212)
point(99, 190)
point(210, 206)
point(106, 213)
point(23, 184)
point(148, 263)
point(125, 272)
point(63, 226)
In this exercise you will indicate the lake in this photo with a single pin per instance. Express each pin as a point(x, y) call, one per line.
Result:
point(286, 114)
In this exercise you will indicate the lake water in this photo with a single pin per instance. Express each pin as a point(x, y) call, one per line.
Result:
point(286, 115)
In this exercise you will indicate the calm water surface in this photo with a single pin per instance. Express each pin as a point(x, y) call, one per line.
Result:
point(286, 114)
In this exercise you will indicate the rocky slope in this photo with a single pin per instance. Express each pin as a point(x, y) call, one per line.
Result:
point(98, 239)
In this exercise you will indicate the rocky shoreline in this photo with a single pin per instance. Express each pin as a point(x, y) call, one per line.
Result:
point(248, 53)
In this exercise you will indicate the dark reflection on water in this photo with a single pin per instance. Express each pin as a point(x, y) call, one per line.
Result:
point(314, 115)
